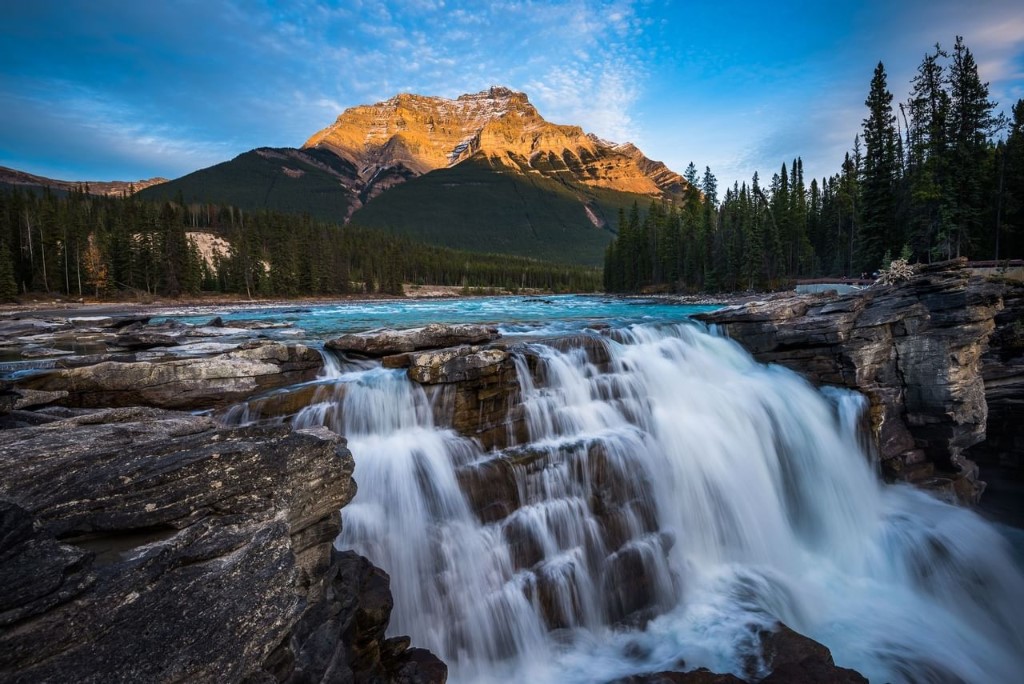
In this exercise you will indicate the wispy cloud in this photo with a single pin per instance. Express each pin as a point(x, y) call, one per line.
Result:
point(166, 87)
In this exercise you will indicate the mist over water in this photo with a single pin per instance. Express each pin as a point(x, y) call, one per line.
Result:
point(673, 501)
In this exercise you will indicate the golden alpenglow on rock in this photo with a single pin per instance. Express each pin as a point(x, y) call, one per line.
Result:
point(499, 126)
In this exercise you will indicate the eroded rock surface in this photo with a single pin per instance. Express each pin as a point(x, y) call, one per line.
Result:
point(182, 383)
point(913, 349)
point(1003, 373)
point(147, 545)
point(433, 336)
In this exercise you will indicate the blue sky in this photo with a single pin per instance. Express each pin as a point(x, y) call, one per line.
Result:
point(124, 90)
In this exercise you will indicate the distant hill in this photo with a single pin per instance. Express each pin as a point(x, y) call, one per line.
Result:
point(316, 182)
point(20, 179)
point(481, 207)
point(483, 172)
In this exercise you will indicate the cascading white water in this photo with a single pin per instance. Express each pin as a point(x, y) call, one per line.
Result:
point(680, 481)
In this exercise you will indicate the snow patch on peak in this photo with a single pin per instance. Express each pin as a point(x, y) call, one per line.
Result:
point(602, 142)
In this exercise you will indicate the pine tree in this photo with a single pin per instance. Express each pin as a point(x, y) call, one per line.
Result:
point(1009, 220)
point(927, 157)
point(8, 285)
point(971, 122)
point(878, 202)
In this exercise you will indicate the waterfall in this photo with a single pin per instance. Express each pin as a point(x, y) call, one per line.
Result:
point(673, 498)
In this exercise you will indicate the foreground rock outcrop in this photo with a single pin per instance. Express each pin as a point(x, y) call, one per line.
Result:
point(145, 545)
point(914, 349)
point(181, 383)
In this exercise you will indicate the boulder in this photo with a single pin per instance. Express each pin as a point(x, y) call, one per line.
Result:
point(28, 399)
point(793, 658)
point(345, 634)
point(461, 364)
point(789, 657)
point(182, 383)
point(143, 339)
point(433, 336)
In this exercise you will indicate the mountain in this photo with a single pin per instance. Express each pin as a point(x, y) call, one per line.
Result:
point(15, 178)
point(422, 134)
point(483, 171)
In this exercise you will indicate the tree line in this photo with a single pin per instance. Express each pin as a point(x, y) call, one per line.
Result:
point(79, 244)
point(937, 176)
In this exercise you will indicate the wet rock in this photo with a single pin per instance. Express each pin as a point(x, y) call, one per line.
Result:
point(145, 340)
point(186, 383)
point(490, 489)
point(790, 658)
point(344, 635)
point(433, 336)
point(630, 588)
point(461, 364)
point(480, 392)
point(793, 658)
point(282, 404)
point(913, 349)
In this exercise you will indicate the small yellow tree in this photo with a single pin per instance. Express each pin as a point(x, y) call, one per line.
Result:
point(96, 272)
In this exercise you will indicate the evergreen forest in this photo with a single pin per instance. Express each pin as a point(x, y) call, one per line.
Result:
point(938, 176)
point(79, 244)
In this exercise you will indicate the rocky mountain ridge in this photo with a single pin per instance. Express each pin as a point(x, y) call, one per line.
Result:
point(17, 178)
point(415, 134)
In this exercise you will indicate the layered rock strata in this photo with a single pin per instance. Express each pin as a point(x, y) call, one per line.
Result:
point(914, 349)
point(409, 135)
point(433, 336)
point(1002, 368)
point(144, 545)
point(181, 383)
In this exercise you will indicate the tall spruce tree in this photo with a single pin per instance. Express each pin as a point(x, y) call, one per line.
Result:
point(8, 285)
point(927, 179)
point(878, 202)
point(1009, 220)
point(971, 123)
